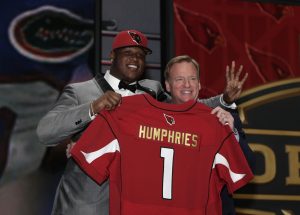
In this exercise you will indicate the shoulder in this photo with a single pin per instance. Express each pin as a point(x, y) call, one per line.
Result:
point(89, 89)
point(82, 84)
point(149, 82)
point(200, 107)
point(152, 84)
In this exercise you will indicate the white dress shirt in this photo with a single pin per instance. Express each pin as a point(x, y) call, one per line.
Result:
point(114, 83)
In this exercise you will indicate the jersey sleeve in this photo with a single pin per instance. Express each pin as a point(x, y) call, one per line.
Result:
point(97, 149)
point(231, 165)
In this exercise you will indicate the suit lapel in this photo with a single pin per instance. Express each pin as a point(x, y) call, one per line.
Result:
point(103, 83)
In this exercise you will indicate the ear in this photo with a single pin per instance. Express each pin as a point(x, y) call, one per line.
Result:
point(168, 87)
point(112, 56)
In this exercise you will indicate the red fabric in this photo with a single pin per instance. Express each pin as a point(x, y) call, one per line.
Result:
point(145, 142)
point(262, 37)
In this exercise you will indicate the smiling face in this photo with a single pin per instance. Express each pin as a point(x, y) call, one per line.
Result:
point(183, 82)
point(128, 63)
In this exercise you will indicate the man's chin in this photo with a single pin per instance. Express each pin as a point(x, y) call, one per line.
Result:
point(184, 100)
point(133, 78)
point(187, 98)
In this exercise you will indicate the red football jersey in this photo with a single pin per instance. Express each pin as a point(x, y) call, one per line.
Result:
point(162, 158)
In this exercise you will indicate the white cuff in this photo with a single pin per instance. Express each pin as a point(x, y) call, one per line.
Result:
point(92, 115)
point(231, 106)
point(236, 134)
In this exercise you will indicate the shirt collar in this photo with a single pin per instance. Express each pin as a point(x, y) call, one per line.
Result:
point(112, 80)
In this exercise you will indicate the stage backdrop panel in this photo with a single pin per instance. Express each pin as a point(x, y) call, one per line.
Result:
point(264, 38)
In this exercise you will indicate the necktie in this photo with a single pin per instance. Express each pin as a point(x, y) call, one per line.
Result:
point(131, 87)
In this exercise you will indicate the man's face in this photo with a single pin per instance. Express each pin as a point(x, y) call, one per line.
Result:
point(183, 83)
point(128, 63)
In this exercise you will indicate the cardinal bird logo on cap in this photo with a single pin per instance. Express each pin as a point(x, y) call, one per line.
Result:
point(135, 37)
point(169, 119)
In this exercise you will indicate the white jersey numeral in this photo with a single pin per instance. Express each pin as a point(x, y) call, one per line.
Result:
point(168, 155)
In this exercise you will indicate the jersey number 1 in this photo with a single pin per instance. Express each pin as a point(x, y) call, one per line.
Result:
point(167, 154)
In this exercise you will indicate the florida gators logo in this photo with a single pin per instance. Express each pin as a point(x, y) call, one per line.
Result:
point(169, 119)
point(51, 34)
point(135, 37)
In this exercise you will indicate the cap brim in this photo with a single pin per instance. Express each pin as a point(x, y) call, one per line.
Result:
point(145, 49)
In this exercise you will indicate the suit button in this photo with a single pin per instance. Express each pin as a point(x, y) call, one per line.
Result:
point(78, 122)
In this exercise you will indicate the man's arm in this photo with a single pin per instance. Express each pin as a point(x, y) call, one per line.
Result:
point(73, 111)
point(212, 102)
point(65, 119)
point(243, 140)
point(232, 91)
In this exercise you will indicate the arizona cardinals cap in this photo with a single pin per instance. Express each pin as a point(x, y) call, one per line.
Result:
point(129, 38)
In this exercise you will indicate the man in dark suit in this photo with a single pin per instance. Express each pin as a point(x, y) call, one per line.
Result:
point(182, 75)
point(77, 107)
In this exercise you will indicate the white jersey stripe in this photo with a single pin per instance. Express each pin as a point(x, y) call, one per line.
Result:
point(220, 159)
point(113, 146)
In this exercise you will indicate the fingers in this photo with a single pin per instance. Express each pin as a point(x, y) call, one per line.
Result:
point(232, 70)
point(233, 77)
point(241, 69)
point(112, 96)
point(69, 148)
point(234, 85)
point(111, 103)
point(237, 77)
point(220, 114)
point(113, 100)
point(244, 79)
point(229, 121)
point(216, 110)
point(227, 74)
point(224, 117)
point(241, 83)
point(108, 101)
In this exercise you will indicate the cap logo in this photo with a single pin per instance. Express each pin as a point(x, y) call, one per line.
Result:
point(135, 37)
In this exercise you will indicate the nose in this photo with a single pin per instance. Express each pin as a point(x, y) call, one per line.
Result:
point(134, 56)
point(187, 83)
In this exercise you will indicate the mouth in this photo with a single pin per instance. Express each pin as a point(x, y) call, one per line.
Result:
point(132, 66)
point(186, 92)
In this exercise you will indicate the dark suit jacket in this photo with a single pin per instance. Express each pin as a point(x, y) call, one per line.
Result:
point(228, 207)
